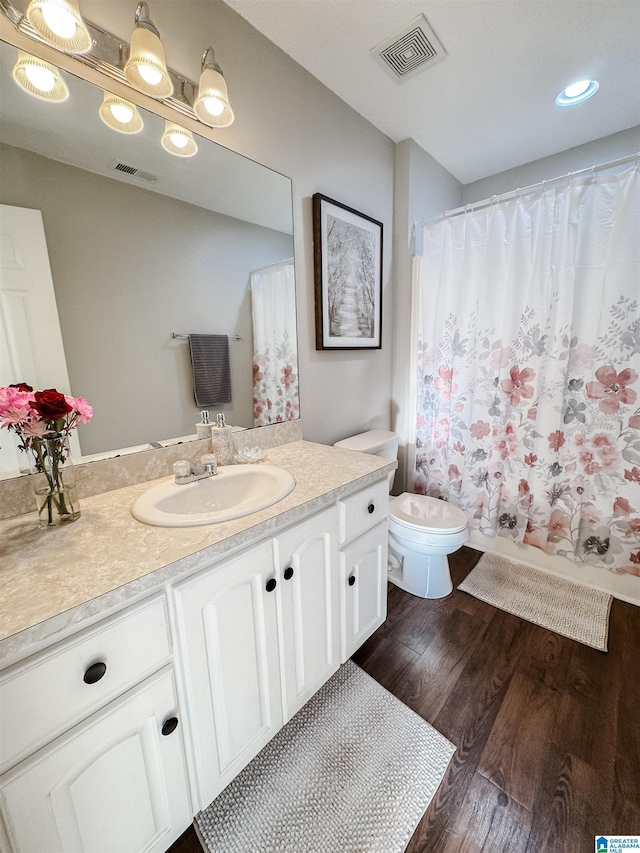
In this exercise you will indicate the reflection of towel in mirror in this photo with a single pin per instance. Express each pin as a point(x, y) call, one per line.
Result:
point(211, 371)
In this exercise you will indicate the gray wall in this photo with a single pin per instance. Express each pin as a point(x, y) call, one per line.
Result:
point(594, 153)
point(290, 122)
point(129, 267)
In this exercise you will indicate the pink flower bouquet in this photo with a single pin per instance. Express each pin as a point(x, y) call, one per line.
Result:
point(42, 421)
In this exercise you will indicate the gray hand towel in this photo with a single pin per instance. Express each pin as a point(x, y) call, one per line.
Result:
point(211, 371)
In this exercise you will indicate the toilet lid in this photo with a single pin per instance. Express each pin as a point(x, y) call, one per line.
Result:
point(370, 442)
point(421, 511)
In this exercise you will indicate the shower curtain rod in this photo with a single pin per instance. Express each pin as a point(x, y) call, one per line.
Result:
point(494, 199)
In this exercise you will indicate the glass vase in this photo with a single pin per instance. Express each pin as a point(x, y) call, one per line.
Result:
point(54, 481)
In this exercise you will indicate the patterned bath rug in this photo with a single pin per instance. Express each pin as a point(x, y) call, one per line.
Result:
point(571, 609)
point(352, 772)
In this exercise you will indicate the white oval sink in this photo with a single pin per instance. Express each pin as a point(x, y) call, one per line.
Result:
point(233, 492)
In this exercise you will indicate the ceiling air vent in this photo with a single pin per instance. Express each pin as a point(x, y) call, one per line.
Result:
point(133, 171)
point(410, 50)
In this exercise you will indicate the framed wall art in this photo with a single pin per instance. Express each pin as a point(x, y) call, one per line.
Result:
point(347, 250)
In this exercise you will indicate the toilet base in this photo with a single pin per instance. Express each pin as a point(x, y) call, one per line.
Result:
point(423, 575)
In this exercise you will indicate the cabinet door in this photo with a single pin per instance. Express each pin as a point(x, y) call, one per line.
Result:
point(227, 622)
point(308, 567)
point(363, 582)
point(112, 783)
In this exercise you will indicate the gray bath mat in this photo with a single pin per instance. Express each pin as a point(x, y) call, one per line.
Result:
point(352, 772)
point(568, 608)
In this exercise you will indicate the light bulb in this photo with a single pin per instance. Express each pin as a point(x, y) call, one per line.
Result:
point(577, 89)
point(59, 20)
point(213, 106)
point(121, 113)
point(40, 78)
point(150, 75)
point(179, 140)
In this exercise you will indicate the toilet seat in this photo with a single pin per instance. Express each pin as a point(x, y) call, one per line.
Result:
point(422, 513)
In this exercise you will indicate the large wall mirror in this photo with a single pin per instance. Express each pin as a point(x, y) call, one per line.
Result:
point(141, 245)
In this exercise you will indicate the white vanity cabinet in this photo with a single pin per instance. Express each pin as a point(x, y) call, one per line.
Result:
point(259, 636)
point(112, 738)
point(116, 780)
point(363, 565)
point(228, 632)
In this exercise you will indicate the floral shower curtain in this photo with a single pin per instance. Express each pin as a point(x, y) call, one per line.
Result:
point(275, 357)
point(528, 414)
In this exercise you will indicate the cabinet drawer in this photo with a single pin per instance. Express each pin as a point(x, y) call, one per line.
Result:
point(363, 510)
point(45, 695)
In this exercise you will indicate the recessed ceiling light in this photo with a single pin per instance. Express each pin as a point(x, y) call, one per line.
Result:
point(576, 93)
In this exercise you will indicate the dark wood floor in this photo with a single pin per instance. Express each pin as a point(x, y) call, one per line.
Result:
point(547, 730)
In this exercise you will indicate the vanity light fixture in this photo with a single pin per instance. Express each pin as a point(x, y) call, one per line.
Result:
point(120, 115)
point(178, 140)
point(59, 23)
point(39, 78)
point(212, 104)
point(576, 93)
point(146, 68)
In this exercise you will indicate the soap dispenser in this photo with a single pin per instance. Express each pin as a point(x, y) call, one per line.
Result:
point(221, 440)
point(203, 429)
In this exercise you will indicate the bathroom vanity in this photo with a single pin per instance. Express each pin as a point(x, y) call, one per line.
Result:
point(179, 653)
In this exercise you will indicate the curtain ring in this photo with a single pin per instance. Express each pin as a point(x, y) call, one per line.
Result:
point(494, 200)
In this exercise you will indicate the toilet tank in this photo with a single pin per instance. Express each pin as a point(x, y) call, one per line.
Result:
point(378, 442)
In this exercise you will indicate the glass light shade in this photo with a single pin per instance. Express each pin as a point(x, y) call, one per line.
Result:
point(120, 115)
point(178, 140)
point(60, 24)
point(146, 68)
point(212, 104)
point(39, 78)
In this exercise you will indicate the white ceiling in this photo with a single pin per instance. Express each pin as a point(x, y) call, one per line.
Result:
point(490, 104)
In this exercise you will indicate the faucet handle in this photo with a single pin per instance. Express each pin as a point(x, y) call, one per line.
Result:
point(182, 471)
point(209, 463)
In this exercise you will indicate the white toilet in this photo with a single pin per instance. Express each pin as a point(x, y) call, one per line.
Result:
point(422, 530)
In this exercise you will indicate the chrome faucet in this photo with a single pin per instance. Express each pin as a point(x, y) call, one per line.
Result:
point(189, 472)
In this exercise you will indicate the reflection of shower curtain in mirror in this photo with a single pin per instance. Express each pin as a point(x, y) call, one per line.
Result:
point(275, 356)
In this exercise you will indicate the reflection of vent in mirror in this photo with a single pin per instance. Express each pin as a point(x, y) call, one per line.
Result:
point(410, 50)
point(133, 171)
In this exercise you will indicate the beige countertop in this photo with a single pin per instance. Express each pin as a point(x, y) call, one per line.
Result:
point(54, 579)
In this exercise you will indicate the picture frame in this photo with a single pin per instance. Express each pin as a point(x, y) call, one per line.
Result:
point(347, 252)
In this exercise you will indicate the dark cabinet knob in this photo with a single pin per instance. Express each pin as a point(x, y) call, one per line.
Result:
point(288, 573)
point(352, 580)
point(371, 508)
point(95, 672)
point(169, 726)
point(270, 584)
